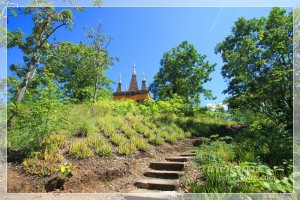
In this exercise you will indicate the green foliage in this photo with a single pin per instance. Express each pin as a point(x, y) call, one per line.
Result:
point(43, 163)
point(35, 46)
point(80, 150)
point(126, 148)
point(54, 141)
point(204, 140)
point(140, 143)
point(74, 68)
point(117, 139)
point(65, 169)
point(156, 139)
point(128, 130)
point(123, 107)
point(38, 167)
point(91, 129)
point(226, 139)
point(183, 72)
point(104, 149)
point(270, 143)
point(36, 118)
point(198, 126)
point(95, 141)
point(214, 137)
point(223, 175)
point(258, 63)
point(99, 60)
point(100, 145)
point(87, 129)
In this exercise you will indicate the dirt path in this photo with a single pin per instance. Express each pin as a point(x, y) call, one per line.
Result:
point(96, 174)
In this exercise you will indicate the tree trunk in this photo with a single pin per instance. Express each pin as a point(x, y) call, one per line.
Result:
point(24, 85)
point(96, 87)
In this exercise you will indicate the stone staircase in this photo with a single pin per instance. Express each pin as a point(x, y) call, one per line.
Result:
point(162, 179)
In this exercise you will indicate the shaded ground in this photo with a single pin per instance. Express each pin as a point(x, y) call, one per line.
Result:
point(99, 174)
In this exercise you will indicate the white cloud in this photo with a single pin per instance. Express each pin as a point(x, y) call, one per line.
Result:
point(213, 106)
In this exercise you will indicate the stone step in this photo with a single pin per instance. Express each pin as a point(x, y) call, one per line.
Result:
point(163, 174)
point(179, 159)
point(168, 166)
point(158, 184)
point(188, 154)
point(145, 194)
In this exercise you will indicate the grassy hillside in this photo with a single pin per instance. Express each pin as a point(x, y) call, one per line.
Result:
point(50, 139)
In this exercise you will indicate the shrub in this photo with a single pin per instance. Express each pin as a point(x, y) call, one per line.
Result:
point(104, 150)
point(80, 150)
point(88, 128)
point(128, 130)
point(171, 138)
point(39, 167)
point(117, 138)
point(214, 137)
point(155, 139)
point(126, 148)
point(140, 143)
point(268, 141)
point(95, 141)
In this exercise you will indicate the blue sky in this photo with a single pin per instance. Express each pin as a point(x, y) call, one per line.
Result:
point(144, 34)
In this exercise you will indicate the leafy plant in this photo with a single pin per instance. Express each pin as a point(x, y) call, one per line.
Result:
point(80, 150)
point(104, 150)
point(65, 169)
point(140, 143)
point(126, 148)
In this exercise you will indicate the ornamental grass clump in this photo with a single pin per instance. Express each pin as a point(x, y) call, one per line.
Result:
point(80, 150)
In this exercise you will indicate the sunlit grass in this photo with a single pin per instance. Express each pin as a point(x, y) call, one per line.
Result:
point(104, 150)
point(80, 149)
point(126, 148)
point(112, 127)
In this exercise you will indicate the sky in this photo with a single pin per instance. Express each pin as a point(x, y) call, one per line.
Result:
point(142, 35)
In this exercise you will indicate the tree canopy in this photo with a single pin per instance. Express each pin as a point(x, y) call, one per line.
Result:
point(258, 65)
point(35, 46)
point(183, 71)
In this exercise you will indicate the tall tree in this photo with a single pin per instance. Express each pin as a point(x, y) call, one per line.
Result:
point(46, 21)
point(101, 60)
point(183, 71)
point(72, 66)
point(258, 65)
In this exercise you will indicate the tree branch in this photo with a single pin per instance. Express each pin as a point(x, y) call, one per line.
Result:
point(73, 5)
point(110, 38)
point(43, 41)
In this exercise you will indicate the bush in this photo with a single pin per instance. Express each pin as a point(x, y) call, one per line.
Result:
point(80, 150)
point(104, 150)
point(126, 148)
point(269, 142)
point(140, 143)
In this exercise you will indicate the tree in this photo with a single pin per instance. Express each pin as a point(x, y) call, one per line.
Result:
point(258, 65)
point(101, 60)
point(183, 71)
point(46, 22)
point(72, 66)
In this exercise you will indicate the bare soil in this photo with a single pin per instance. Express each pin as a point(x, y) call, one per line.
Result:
point(114, 174)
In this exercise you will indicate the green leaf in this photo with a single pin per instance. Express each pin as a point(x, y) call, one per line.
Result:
point(267, 186)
